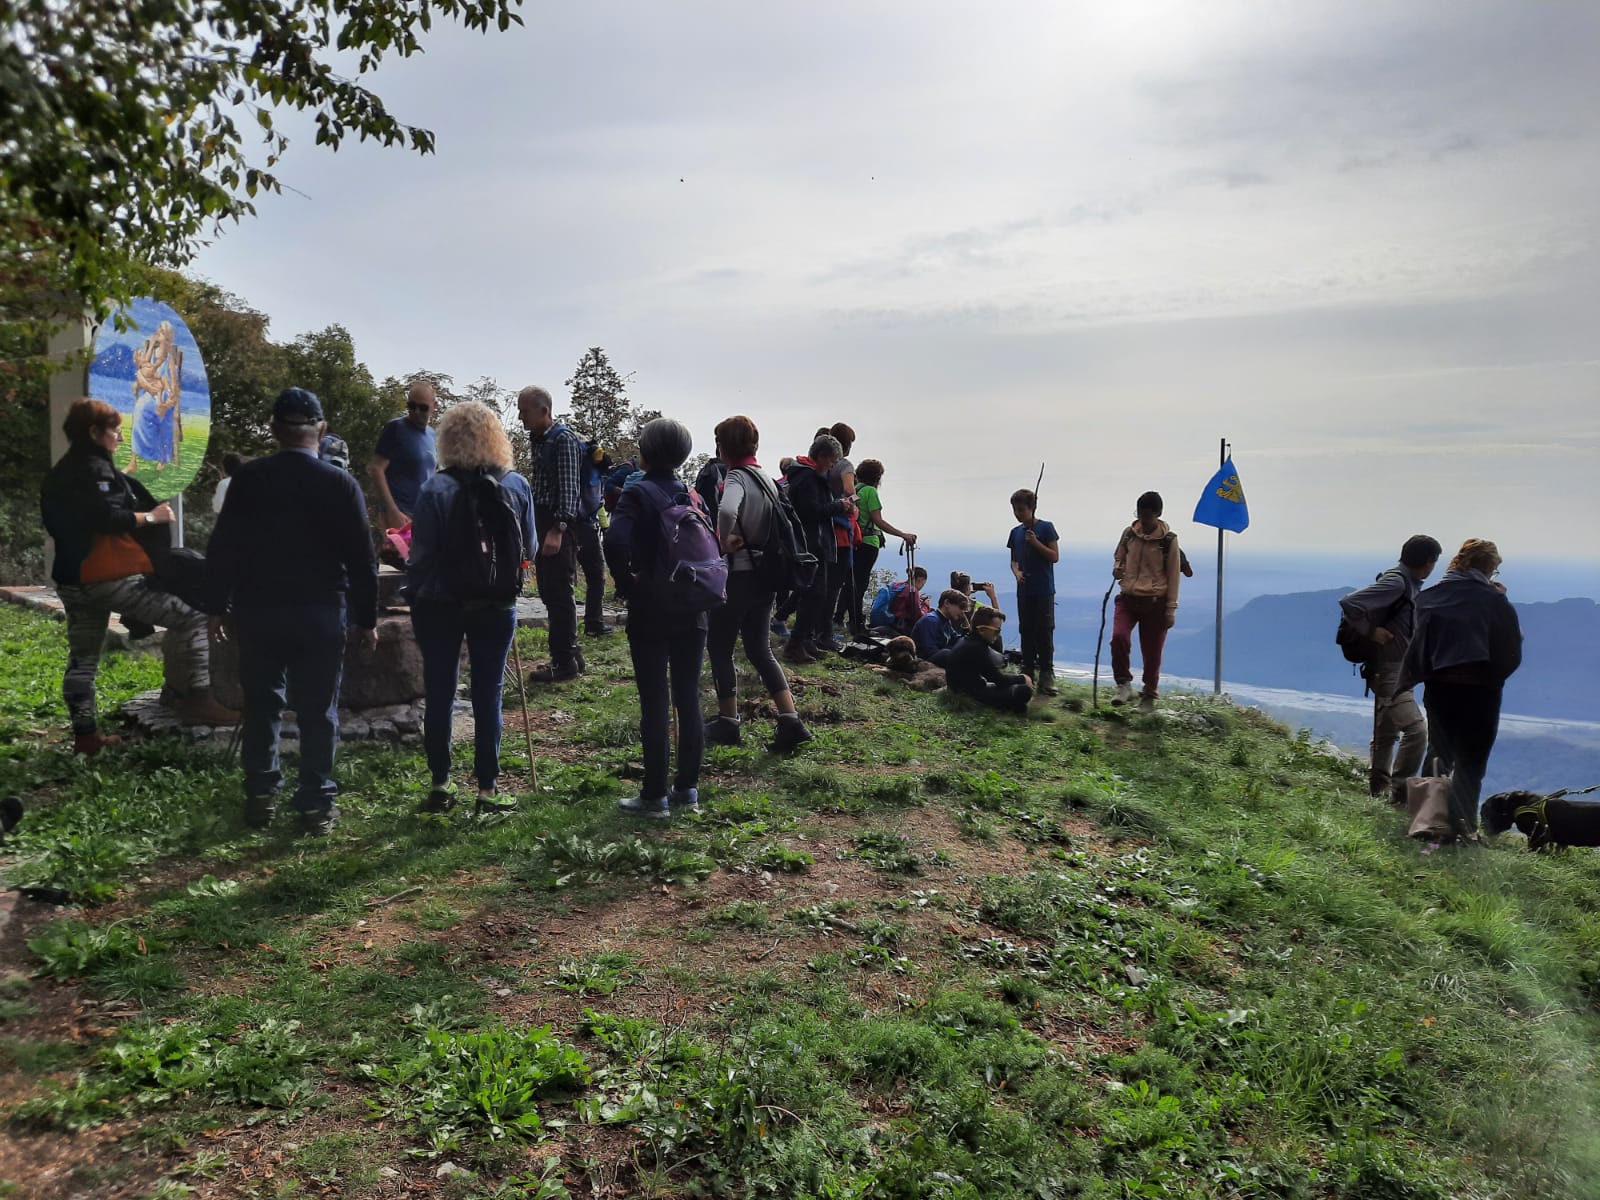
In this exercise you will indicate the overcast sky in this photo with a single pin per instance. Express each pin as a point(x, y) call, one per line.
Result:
point(1358, 240)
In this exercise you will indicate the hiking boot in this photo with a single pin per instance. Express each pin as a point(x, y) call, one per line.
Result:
point(684, 800)
point(319, 822)
point(203, 708)
point(137, 630)
point(490, 802)
point(790, 735)
point(778, 628)
point(638, 806)
point(1124, 694)
point(90, 744)
point(259, 811)
point(723, 731)
point(830, 644)
point(553, 673)
point(800, 654)
point(1147, 704)
point(440, 800)
point(1047, 686)
point(598, 631)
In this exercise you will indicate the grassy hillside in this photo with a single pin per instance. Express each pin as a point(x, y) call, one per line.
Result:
point(939, 954)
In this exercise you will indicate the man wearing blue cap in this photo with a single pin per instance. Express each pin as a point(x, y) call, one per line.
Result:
point(291, 563)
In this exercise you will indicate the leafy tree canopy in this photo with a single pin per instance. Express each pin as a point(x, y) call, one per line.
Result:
point(124, 123)
point(600, 408)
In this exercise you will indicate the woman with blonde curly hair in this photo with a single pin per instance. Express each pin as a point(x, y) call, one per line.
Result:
point(458, 509)
point(1465, 645)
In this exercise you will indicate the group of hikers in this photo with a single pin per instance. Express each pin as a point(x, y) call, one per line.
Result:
point(290, 574)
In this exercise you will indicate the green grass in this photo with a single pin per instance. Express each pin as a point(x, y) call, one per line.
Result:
point(1072, 954)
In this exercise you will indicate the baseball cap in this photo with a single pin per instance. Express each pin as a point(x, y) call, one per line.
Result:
point(296, 406)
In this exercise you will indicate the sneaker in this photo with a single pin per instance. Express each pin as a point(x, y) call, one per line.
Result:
point(554, 673)
point(800, 654)
point(599, 631)
point(440, 800)
point(684, 800)
point(259, 811)
point(791, 734)
point(1147, 704)
point(1047, 686)
point(723, 731)
point(490, 802)
point(638, 806)
point(319, 822)
point(830, 644)
point(1124, 694)
point(137, 630)
point(779, 629)
point(90, 744)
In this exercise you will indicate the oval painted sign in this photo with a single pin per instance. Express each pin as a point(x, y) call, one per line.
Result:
point(152, 374)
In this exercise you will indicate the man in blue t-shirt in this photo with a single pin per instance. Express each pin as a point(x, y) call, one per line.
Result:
point(404, 458)
point(1035, 550)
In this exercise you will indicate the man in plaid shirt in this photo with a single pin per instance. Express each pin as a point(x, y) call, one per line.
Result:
point(557, 467)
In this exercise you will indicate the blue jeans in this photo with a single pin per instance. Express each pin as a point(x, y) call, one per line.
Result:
point(303, 648)
point(440, 629)
point(680, 648)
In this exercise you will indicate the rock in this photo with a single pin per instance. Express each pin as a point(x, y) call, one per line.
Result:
point(355, 729)
point(447, 1169)
point(384, 731)
point(391, 676)
point(388, 1173)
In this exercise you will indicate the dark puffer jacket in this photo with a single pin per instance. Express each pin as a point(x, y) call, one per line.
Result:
point(815, 505)
point(83, 496)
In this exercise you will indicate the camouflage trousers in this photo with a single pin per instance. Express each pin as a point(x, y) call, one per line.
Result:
point(1399, 733)
point(185, 648)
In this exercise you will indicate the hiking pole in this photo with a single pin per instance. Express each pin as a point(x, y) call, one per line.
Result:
point(1094, 692)
point(522, 693)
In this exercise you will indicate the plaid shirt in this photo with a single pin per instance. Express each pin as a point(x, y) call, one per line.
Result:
point(557, 469)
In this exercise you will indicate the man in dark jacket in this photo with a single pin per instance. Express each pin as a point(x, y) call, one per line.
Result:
point(291, 563)
point(557, 480)
point(939, 632)
point(1467, 642)
point(1382, 614)
point(975, 668)
point(816, 506)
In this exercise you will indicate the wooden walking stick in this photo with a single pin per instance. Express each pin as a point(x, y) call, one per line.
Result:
point(527, 729)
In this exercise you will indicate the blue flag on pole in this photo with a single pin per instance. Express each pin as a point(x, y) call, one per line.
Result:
point(1222, 503)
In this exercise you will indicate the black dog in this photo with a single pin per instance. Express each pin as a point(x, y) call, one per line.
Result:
point(1546, 820)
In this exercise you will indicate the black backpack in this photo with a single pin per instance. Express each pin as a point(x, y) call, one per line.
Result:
point(783, 563)
point(481, 555)
point(1355, 647)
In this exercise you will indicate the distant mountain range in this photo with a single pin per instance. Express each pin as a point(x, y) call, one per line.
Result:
point(1287, 642)
point(116, 362)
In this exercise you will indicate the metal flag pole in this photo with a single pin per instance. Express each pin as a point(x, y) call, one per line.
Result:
point(1216, 687)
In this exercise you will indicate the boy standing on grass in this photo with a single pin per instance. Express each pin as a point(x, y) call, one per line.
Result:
point(1035, 549)
point(1147, 563)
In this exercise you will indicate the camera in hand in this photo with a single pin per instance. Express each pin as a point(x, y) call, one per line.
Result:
point(961, 582)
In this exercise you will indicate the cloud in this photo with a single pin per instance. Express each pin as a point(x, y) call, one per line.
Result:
point(1360, 241)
